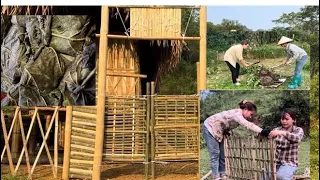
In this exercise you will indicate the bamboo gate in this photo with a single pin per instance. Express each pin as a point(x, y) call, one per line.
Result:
point(17, 125)
point(141, 129)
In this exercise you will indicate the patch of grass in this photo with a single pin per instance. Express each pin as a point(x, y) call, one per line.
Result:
point(303, 158)
point(219, 75)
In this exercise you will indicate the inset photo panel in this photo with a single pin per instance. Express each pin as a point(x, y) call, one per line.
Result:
point(48, 60)
point(258, 54)
point(254, 134)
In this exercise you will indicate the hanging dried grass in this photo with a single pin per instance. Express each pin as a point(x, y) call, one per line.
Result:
point(26, 10)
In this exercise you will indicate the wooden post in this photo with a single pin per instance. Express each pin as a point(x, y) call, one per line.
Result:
point(148, 132)
point(103, 48)
point(55, 156)
point(152, 132)
point(67, 144)
point(203, 47)
point(198, 77)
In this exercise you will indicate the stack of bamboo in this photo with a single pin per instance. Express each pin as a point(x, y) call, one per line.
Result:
point(82, 148)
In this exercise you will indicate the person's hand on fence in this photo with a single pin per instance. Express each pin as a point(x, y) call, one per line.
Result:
point(227, 134)
point(266, 131)
point(275, 133)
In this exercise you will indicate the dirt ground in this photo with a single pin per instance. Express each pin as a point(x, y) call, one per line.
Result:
point(164, 171)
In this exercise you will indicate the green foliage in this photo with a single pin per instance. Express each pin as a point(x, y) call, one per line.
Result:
point(270, 103)
point(265, 52)
point(253, 80)
point(307, 19)
point(222, 40)
point(181, 81)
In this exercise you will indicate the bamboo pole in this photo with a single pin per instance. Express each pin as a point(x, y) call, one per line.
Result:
point(56, 144)
point(67, 144)
point(148, 132)
point(103, 49)
point(111, 36)
point(198, 77)
point(203, 47)
point(6, 141)
point(152, 131)
point(11, 130)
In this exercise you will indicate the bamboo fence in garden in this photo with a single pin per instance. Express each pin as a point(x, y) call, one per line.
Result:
point(250, 158)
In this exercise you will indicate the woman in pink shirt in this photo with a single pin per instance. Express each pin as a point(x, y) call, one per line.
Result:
point(221, 123)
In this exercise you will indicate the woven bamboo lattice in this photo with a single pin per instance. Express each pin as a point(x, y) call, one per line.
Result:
point(250, 158)
point(155, 22)
point(175, 127)
point(17, 128)
point(82, 146)
point(123, 69)
point(126, 129)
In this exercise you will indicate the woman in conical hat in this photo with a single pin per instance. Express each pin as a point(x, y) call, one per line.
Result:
point(294, 53)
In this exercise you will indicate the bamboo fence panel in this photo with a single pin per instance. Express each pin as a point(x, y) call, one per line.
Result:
point(126, 129)
point(83, 126)
point(176, 127)
point(157, 22)
point(249, 158)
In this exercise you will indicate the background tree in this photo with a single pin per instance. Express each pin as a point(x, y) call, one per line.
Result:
point(307, 19)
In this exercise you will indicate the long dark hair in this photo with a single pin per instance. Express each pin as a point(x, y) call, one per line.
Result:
point(244, 104)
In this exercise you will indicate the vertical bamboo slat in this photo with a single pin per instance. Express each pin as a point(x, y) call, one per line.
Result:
point(101, 93)
point(56, 144)
point(67, 143)
point(203, 47)
point(148, 132)
point(152, 132)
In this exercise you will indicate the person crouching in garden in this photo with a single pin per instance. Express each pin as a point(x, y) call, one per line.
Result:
point(217, 125)
point(233, 56)
point(294, 53)
point(288, 138)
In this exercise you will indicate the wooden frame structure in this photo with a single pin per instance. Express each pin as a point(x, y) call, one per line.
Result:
point(28, 142)
point(83, 156)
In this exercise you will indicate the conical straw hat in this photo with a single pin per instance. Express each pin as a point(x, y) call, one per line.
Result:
point(284, 40)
